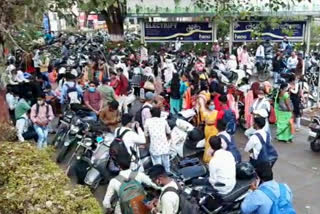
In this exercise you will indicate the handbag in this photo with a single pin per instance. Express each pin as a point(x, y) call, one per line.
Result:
point(148, 86)
point(272, 116)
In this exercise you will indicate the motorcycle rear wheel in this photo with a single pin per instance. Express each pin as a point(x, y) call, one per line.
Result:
point(315, 145)
point(263, 75)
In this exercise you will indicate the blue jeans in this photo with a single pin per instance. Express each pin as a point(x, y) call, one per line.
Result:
point(42, 133)
point(163, 160)
point(92, 116)
point(276, 77)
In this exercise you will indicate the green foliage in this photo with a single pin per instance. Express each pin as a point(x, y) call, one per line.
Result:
point(30, 182)
point(10, 132)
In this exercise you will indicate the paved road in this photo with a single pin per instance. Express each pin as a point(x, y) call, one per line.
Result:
point(299, 167)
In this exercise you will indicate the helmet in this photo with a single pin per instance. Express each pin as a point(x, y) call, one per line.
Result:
point(245, 171)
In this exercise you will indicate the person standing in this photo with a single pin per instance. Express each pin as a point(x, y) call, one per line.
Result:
point(292, 62)
point(41, 115)
point(93, 101)
point(216, 49)
point(296, 99)
point(283, 109)
point(146, 107)
point(265, 190)
point(243, 58)
point(210, 130)
point(158, 132)
point(228, 141)
point(278, 66)
point(175, 94)
point(106, 92)
point(259, 145)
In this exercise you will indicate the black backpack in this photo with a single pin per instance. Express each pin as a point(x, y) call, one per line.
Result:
point(187, 203)
point(117, 148)
point(72, 94)
point(138, 116)
point(37, 110)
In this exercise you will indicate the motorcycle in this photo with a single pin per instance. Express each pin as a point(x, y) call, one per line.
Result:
point(264, 68)
point(314, 134)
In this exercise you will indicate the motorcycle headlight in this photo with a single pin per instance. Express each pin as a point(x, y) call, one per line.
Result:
point(87, 142)
point(74, 129)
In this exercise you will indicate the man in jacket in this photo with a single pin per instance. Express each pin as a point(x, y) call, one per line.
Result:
point(41, 115)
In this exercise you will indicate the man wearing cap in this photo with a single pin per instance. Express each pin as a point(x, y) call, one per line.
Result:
point(258, 201)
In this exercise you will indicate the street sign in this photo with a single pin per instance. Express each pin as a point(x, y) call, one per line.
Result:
point(185, 31)
point(243, 31)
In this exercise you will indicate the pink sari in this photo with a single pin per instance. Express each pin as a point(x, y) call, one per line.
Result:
point(248, 103)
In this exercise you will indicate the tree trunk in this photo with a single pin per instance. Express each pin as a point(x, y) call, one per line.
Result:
point(114, 21)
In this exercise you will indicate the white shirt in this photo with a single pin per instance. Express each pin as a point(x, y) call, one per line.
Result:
point(157, 129)
point(292, 62)
point(169, 203)
point(222, 169)
point(131, 138)
point(20, 77)
point(11, 101)
point(114, 185)
point(260, 51)
point(262, 107)
point(224, 143)
point(124, 68)
point(254, 145)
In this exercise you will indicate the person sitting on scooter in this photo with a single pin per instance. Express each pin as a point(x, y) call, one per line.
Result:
point(222, 167)
point(115, 184)
point(258, 201)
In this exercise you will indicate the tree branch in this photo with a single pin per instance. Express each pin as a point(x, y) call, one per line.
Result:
point(11, 38)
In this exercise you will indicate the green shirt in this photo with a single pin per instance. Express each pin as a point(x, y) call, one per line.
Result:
point(21, 108)
point(107, 94)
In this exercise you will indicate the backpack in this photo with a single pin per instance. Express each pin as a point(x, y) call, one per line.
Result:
point(232, 148)
point(187, 203)
point(37, 110)
point(131, 195)
point(118, 148)
point(281, 205)
point(230, 118)
point(73, 96)
point(267, 152)
point(138, 116)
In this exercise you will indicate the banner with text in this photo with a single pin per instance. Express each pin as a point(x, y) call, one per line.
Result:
point(243, 31)
point(184, 31)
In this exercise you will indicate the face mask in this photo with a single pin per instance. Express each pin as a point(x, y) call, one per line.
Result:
point(92, 89)
point(211, 107)
point(40, 102)
point(260, 96)
point(99, 139)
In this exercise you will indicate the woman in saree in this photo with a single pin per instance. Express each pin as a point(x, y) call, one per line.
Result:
point(210, 130)
point(283, 110)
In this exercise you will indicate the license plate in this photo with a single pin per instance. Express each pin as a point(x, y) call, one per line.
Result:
point(312, 134)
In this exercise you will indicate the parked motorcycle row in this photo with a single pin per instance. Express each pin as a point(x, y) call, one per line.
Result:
point(84, 146)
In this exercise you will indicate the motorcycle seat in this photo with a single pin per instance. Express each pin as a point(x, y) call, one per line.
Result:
point(227, 74)
point(187, 152)
point(144, 152)
point(241, 187)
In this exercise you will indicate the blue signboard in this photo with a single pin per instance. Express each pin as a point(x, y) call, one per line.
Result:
point(242, 31)
point(185, 31)
point(46, 23)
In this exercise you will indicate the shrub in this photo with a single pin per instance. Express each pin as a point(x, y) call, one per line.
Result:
point(30, 182)
point(7, 132)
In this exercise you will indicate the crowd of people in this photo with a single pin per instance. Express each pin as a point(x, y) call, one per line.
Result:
point(37, 93)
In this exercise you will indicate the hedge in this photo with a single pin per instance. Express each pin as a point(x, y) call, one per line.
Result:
point(30, 182)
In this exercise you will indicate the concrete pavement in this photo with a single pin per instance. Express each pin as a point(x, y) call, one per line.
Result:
point(299, 167)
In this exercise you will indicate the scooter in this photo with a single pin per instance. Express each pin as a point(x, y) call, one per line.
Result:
point(314, 134)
